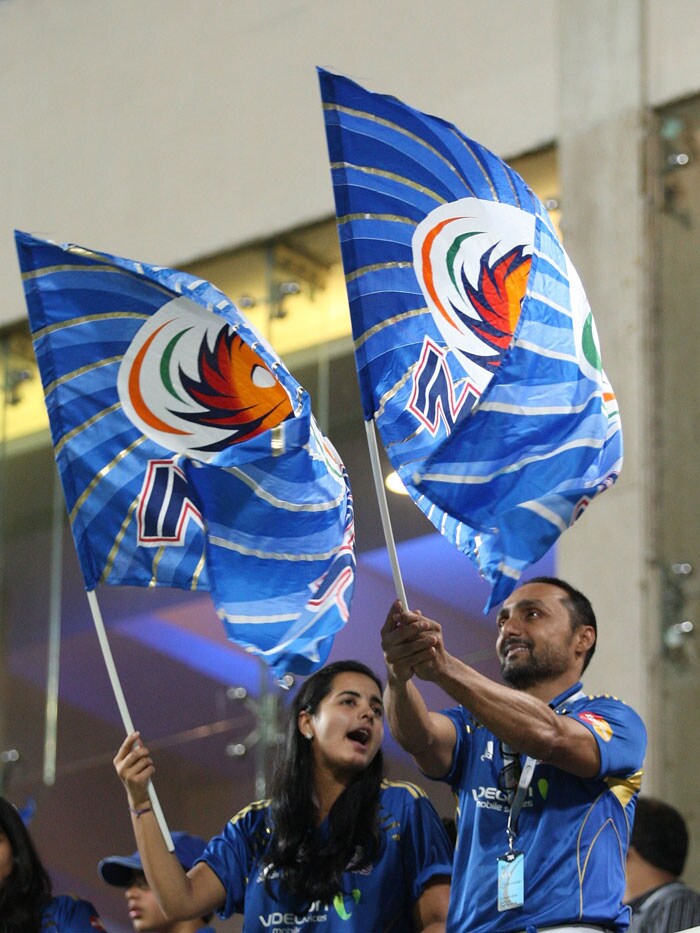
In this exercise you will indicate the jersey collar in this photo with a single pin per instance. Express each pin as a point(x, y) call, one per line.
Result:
point(566, 695)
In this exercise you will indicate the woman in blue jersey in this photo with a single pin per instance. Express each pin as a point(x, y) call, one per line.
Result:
point(26, 904)
point(336, 845)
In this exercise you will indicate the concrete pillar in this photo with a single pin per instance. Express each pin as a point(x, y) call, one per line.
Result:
point(601, 165)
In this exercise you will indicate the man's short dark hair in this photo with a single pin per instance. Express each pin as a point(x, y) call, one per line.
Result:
point(660, 835)
point(579, 606)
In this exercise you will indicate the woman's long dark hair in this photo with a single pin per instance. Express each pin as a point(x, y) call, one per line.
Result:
point(27, 890)
point(310, 866)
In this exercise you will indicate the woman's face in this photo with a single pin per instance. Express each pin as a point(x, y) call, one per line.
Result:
point(6, 858)
point(348, 727)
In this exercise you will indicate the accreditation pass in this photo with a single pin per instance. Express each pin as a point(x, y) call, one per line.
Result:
point(511, 880)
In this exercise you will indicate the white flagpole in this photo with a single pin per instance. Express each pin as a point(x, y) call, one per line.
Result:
point(384, 510)
point(54, 655)
point(123, 709)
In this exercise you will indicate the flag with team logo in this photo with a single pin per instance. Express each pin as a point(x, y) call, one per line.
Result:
point(476, 350)
point(188, 453)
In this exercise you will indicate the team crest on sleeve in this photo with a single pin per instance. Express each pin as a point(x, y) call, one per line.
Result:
point(201, 394)
point(600, 726)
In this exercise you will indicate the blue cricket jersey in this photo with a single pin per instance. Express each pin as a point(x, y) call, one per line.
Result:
point(574, 832)
point(413, 849)
point(66, 914)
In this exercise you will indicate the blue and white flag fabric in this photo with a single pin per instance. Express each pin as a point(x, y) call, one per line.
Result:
point(188, 453)
point(476, 350)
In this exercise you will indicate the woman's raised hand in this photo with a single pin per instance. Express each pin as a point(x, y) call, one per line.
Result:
point(135, 768)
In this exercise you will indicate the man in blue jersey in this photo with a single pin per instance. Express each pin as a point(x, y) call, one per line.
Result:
point(546, 776)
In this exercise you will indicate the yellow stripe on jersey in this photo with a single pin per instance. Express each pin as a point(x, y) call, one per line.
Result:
point(255, 805)
point(413, 789)
point(624, 788)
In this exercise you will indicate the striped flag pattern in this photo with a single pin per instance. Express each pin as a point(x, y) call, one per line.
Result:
point(188, 453)
point(476, 350)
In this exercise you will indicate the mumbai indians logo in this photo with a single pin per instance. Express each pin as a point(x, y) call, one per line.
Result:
point(472, 259)
point(194, 386)
point(165, 509)
point(434, 397)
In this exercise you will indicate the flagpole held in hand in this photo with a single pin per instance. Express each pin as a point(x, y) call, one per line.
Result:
point(123, 709)
point(384, 511)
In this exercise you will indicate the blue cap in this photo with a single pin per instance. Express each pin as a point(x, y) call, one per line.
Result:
point(118, 869)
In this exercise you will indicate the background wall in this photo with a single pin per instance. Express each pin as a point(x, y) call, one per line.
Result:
point(175, 128)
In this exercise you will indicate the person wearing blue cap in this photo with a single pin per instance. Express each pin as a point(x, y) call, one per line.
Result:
point(126, 871)
point(336, 847)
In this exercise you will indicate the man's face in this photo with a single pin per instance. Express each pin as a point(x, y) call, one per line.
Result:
point(536, 641)
point(144, 912)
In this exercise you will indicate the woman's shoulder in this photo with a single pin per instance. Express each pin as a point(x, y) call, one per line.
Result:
point(403, 798)
point(251, 813)
point(406, 807)
point(402, 790)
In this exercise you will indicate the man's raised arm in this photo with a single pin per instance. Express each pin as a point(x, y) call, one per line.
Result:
point(428, 737)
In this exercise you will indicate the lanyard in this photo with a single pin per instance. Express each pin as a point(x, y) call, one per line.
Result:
point(526, 776)
point(519, 798)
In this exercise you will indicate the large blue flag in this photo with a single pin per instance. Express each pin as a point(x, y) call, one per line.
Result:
point(188, 453)
point(475, 346)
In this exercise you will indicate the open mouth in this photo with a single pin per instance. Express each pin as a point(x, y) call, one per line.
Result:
point(360, 735)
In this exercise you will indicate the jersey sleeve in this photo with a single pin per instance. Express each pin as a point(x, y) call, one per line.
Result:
point(463, 728)
point(231, 855)
point(618, 731)
point(426, 849)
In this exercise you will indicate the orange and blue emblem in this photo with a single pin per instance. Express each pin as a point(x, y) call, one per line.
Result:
point(599, 725)
point(201, 394)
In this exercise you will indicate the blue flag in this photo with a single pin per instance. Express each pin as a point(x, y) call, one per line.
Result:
point(476, 350)
point(188, 453)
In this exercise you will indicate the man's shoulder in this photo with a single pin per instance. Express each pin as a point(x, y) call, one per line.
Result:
point(611, 699)
point(603, 704)
point(673, 900)
point(617, 727)
point(678, 891)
